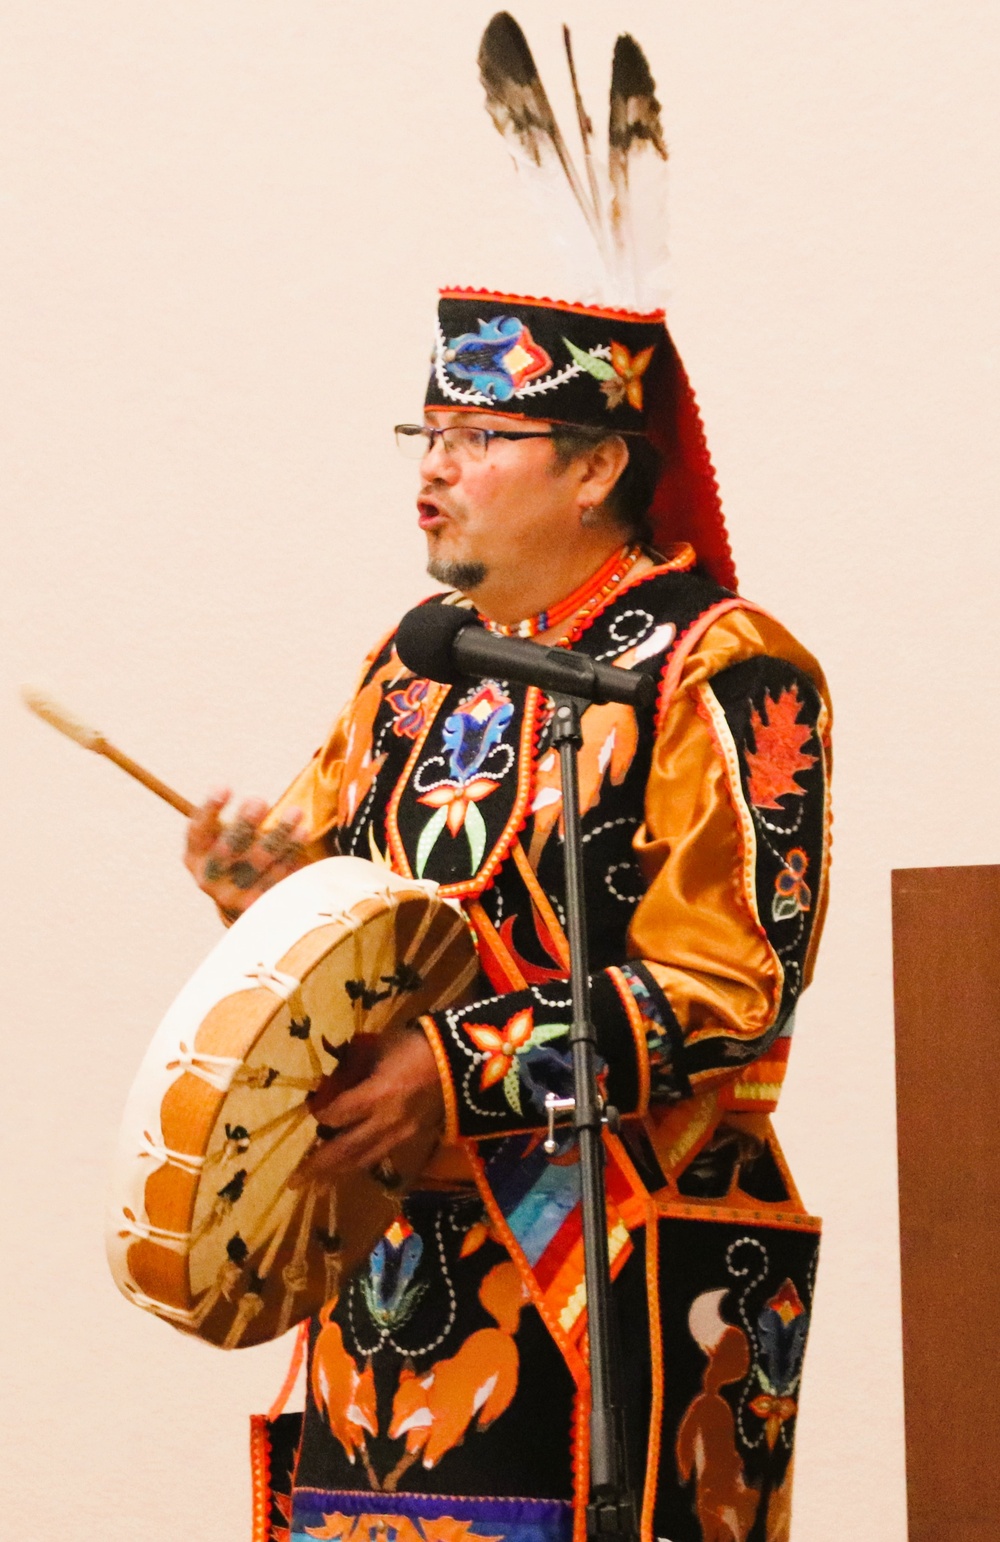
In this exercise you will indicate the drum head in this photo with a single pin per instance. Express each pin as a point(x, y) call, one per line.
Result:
point(205, 1230)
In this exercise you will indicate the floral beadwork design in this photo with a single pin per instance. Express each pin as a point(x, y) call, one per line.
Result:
point(500, 1045)
point(498, 359)
point(409, 708)
point(792, 893)
point(470, 736)
point(509, 1055)
point(782, 1328)
point(621, 378)
point(388, 1289)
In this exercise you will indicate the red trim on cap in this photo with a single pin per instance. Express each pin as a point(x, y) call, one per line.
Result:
point(552, 305)
point(686, 505)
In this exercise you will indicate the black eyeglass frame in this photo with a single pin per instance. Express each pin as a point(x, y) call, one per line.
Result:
point(416, 430)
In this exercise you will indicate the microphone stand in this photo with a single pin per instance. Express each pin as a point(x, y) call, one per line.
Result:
point(611, 1511)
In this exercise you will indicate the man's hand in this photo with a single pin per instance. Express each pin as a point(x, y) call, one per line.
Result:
point(235, 863)
point(385, 1091)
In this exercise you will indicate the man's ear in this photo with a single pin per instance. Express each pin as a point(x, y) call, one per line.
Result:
point(604, 464)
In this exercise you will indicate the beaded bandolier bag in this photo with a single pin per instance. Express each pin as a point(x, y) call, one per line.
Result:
point(447, 1385)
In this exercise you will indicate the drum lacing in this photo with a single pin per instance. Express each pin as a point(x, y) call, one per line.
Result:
point(173, 1241)
point(212, 1069)
point(185, 1160)
point(287, 986)
point(175, 1314)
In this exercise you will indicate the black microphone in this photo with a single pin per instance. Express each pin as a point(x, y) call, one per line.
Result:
point(446, 643)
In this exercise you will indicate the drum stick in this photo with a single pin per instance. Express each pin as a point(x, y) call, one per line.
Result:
point(91, 739)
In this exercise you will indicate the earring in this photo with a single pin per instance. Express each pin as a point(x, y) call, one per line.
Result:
point(590, 516)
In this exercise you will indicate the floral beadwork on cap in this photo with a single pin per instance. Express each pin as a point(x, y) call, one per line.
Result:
point(498, 359)
point(621, 378)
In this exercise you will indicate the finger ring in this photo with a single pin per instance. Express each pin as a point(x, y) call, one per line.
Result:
point(243, 874)
point(239, 836)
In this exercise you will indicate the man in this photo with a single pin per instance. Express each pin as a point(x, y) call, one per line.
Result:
point(567, 495)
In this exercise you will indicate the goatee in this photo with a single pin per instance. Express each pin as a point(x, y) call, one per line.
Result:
point(457, 575)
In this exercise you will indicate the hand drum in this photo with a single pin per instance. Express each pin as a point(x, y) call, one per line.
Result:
point(203, 1228)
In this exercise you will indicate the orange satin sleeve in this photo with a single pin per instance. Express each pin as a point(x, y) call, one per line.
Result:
point(317, 788)
point(694, 927)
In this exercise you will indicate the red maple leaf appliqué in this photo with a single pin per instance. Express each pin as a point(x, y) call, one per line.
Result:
point(779, 738)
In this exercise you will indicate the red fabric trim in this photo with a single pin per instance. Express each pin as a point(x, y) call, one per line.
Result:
point(260, 1473)
point(580, 1439)
point(685, 643)
point(686, 505)
point(781, 1220)
point(545, 303)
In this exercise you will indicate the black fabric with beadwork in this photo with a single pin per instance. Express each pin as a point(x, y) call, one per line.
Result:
point(646, 622)
point(501, 353)
point(438, 1332)
point(464, 788)
point(444, 797)
point(735, 1304)
point(284, 1434)
point(772, 711)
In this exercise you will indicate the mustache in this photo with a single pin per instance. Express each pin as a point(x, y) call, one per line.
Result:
point(436, 493)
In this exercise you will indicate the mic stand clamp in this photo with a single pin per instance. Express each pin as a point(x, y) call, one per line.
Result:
point(611, 1512)
point(555, 1105)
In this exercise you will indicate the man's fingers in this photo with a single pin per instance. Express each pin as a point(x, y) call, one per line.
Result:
point(280, 850)
point(286, 835)
point(242, 855)
point(204, 826)
point(238, 837)
point(352, 1150)
point(225, 858)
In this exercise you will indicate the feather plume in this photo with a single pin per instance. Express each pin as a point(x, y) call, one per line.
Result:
point(519, 106)
point(622, 203)
point(637, 156)
point(586, 131)
point(50, 712)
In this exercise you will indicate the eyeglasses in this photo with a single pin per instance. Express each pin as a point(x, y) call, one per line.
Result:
point(415, 441)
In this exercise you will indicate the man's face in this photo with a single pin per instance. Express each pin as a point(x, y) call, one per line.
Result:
point(489, 516)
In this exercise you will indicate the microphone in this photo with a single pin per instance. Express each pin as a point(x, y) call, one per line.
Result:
point(446, 643)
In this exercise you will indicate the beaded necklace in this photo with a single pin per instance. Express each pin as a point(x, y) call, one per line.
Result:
point(580, 603)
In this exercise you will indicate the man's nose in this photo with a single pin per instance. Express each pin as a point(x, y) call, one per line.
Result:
point(437, 465)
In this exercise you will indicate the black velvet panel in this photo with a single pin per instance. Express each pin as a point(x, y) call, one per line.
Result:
point(413, 1320)
point(736, 1303)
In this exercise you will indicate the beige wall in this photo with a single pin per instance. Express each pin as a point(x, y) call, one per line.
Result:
point(222, 225)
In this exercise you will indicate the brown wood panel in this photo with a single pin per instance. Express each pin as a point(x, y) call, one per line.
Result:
point(946, 955)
